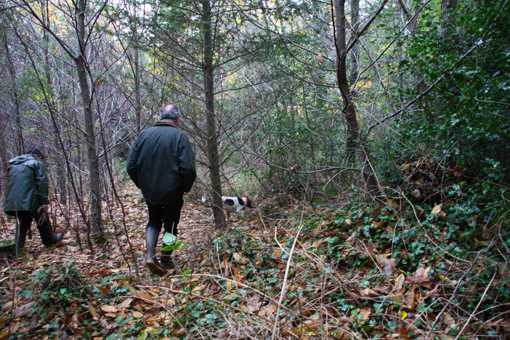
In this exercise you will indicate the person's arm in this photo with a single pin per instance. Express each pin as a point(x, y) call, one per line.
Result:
point(131, 166)
point(41, 184)
point(186, 164)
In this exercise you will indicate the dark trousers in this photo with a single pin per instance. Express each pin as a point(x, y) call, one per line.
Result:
point(48, 237)
point(165, 215)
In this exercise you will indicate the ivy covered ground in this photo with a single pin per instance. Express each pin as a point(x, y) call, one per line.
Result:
point(286, 271)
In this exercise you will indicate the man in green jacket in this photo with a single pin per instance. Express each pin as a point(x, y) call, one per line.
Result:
point(162, 164)
point(27, 197)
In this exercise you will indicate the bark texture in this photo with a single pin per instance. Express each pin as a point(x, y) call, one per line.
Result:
point(212, 138)
point(349, 109)
point(93, 163)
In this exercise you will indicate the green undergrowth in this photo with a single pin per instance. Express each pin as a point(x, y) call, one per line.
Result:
point(431, 271)
point(361, 271)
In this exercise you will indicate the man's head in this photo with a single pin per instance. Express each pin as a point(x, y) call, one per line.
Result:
point(170, 112)
point(36, 152)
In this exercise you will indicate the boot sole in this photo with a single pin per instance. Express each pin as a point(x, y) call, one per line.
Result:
point(154, 268)
point(168, 266)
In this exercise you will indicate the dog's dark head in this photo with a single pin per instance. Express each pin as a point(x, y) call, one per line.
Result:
point(248, 202)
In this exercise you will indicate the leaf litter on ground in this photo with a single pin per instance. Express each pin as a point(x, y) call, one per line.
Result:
point(343, 282)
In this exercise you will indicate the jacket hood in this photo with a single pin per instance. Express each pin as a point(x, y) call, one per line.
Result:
point(21, 159)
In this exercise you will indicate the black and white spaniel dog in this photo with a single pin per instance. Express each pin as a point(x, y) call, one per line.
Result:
point(234, 204)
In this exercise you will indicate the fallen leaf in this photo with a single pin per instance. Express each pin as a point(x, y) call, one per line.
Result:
point(313, 323)
point(449, 320)
point(240, 259)
point(437, 209)
point(267, 311)
point(144, 295)
point(369, 292)
point(109, 309)
point(125, 304)
point(399, 282)
point(92, 310)
point(387, 264)
point(24, 310)
point(180, 332)
point(7, 306)
point(366, 313)
point(410, 297)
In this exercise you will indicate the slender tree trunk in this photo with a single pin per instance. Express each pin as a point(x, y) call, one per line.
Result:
point(95, 201)
point(349, 110)
point(355, 48)
point(138, 106)
point(4, 158)
point(20, 142)
point(61, 172)
point(212, 138)
point(136, 57)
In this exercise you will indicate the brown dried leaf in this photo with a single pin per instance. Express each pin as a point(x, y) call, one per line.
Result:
point(313, 323)
point(437, 209)
point(240, 259)
point(125, 304)
point(369, 292)
point(399, 282)
point(109, 309)
point(93, 311)
point(24, 310)
point(366, 313)
point(7, 306)
point(144, 295)
point(267, 311)
point(387, 264)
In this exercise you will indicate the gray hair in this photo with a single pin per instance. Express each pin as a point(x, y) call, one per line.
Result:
point(170, 111)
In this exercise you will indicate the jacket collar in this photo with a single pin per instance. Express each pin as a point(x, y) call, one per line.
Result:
point(22, 159)
point(161, 123)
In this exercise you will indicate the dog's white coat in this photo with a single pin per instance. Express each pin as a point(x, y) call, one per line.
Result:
point(232, 204)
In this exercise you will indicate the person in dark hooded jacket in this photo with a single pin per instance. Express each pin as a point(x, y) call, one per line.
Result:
point(162, 164)
point(27, 197)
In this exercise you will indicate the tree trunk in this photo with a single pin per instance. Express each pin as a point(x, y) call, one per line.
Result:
point(355, 48)
point(349, 109)
point(95, 201)
point(61, 173)
point(20, 141)
point(4, 158)
point(136, 57)
point(138, 106)
point(212, 138)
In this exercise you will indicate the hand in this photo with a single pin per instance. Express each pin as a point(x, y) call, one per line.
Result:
point(43, 208)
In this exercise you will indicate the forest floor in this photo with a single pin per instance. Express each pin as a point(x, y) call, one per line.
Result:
point(289, 272)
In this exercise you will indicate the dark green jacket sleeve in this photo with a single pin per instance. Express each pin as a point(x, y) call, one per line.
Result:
point(187, 164)
point(41, 183)
point(131, 167)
